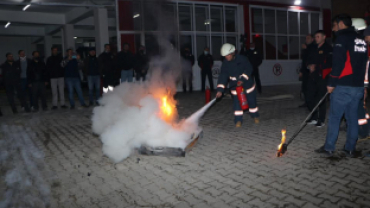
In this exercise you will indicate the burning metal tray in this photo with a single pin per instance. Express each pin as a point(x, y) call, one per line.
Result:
point(170, 151)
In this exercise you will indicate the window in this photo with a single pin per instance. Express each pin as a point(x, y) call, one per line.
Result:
point(185, 17)
point(257, 25)
point(269, 21)
point(304, 23)
point(186, 42)
point(206, 24)
point(282, 22)
point(202, 42)
point(230, 16)
point(216, 20)
point(216, 46)
point(314, 23)
point(282, 47)
point(293, 23)
point(201, 18)
point(279, 33)
point(270, 45)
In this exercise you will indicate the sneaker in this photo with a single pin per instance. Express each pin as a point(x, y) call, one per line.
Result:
point(97, 103)
point(84, 106)
point(238, 124)
point(363, 139)
point(256, 120)
point(324, 153)
point(45, 109)
point(1, 114)
point(312, 122)
point(15, 111)
point(320, 124)
point(91, 103)
point(352, 154)
point(72, 108)
point(64, 107)
point(54, 108)
point(35, 110)
point(303, 105)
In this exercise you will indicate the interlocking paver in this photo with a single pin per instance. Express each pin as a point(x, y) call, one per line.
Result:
point(228, 167)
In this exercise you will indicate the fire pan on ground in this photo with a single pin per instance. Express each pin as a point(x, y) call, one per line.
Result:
point(170, 151)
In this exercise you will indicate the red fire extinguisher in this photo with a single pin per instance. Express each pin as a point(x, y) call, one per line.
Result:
point(242, 97)
point(208, 95)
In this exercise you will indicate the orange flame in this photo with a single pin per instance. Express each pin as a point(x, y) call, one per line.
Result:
point(167, 109)
point(283, 138)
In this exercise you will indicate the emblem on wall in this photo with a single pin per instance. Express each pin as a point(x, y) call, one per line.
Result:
point(215, 72)
point(277, 69)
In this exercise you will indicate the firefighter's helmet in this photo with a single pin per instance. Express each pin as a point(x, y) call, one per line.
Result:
point(227, 49)
point(359, 23)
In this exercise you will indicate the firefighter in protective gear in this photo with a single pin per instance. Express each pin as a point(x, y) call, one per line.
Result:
point(237, 70)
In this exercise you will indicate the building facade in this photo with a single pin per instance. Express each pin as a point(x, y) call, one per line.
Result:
point(278, 27)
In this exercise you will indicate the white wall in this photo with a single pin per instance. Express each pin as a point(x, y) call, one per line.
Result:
point(13, 44)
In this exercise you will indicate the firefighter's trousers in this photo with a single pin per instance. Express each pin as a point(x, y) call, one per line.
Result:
point(252, 102)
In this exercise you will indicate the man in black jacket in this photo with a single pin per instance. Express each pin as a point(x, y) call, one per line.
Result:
point(125, 63)
point(11, 73)
point(23, 62)
point(92, 72)
point(205, 62)
point(107, 67)
point(187, 71)
point(319, 64)
point(255, 58)
point(141, 64)
point(346, 85)
point(37, 78)
point(56, 74)
point(307, 50)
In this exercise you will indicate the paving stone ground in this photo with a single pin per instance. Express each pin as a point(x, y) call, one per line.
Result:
point(228, 167)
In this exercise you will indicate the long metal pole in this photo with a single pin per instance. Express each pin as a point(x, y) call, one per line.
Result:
point(305, 121)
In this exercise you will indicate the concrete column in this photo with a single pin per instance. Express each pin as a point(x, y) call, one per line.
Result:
point(101, 29)
point(69, 41)
point(48, 43)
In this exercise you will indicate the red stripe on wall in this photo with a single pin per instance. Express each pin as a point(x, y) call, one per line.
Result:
point(125, 14)
point(246, 24)
point(326, 13)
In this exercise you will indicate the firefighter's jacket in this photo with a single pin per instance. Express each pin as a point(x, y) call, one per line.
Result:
point(238, 69)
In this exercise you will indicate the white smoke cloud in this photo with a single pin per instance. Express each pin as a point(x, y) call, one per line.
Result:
point(22, 164)
point(131, 116)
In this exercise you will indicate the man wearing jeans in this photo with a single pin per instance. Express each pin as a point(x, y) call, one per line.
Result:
point(346, 85)
point(56, 74)
point(72, 76)
point(91, 70)
point(23, 62)
point(125, 62)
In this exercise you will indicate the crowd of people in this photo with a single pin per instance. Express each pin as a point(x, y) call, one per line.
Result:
point(340, 70)
point(27, 78)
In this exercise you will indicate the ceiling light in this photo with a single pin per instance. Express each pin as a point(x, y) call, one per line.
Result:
point(136, 15)
point(297, 2)
point(75, 37)
point(26, 7)
point(7, 25)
